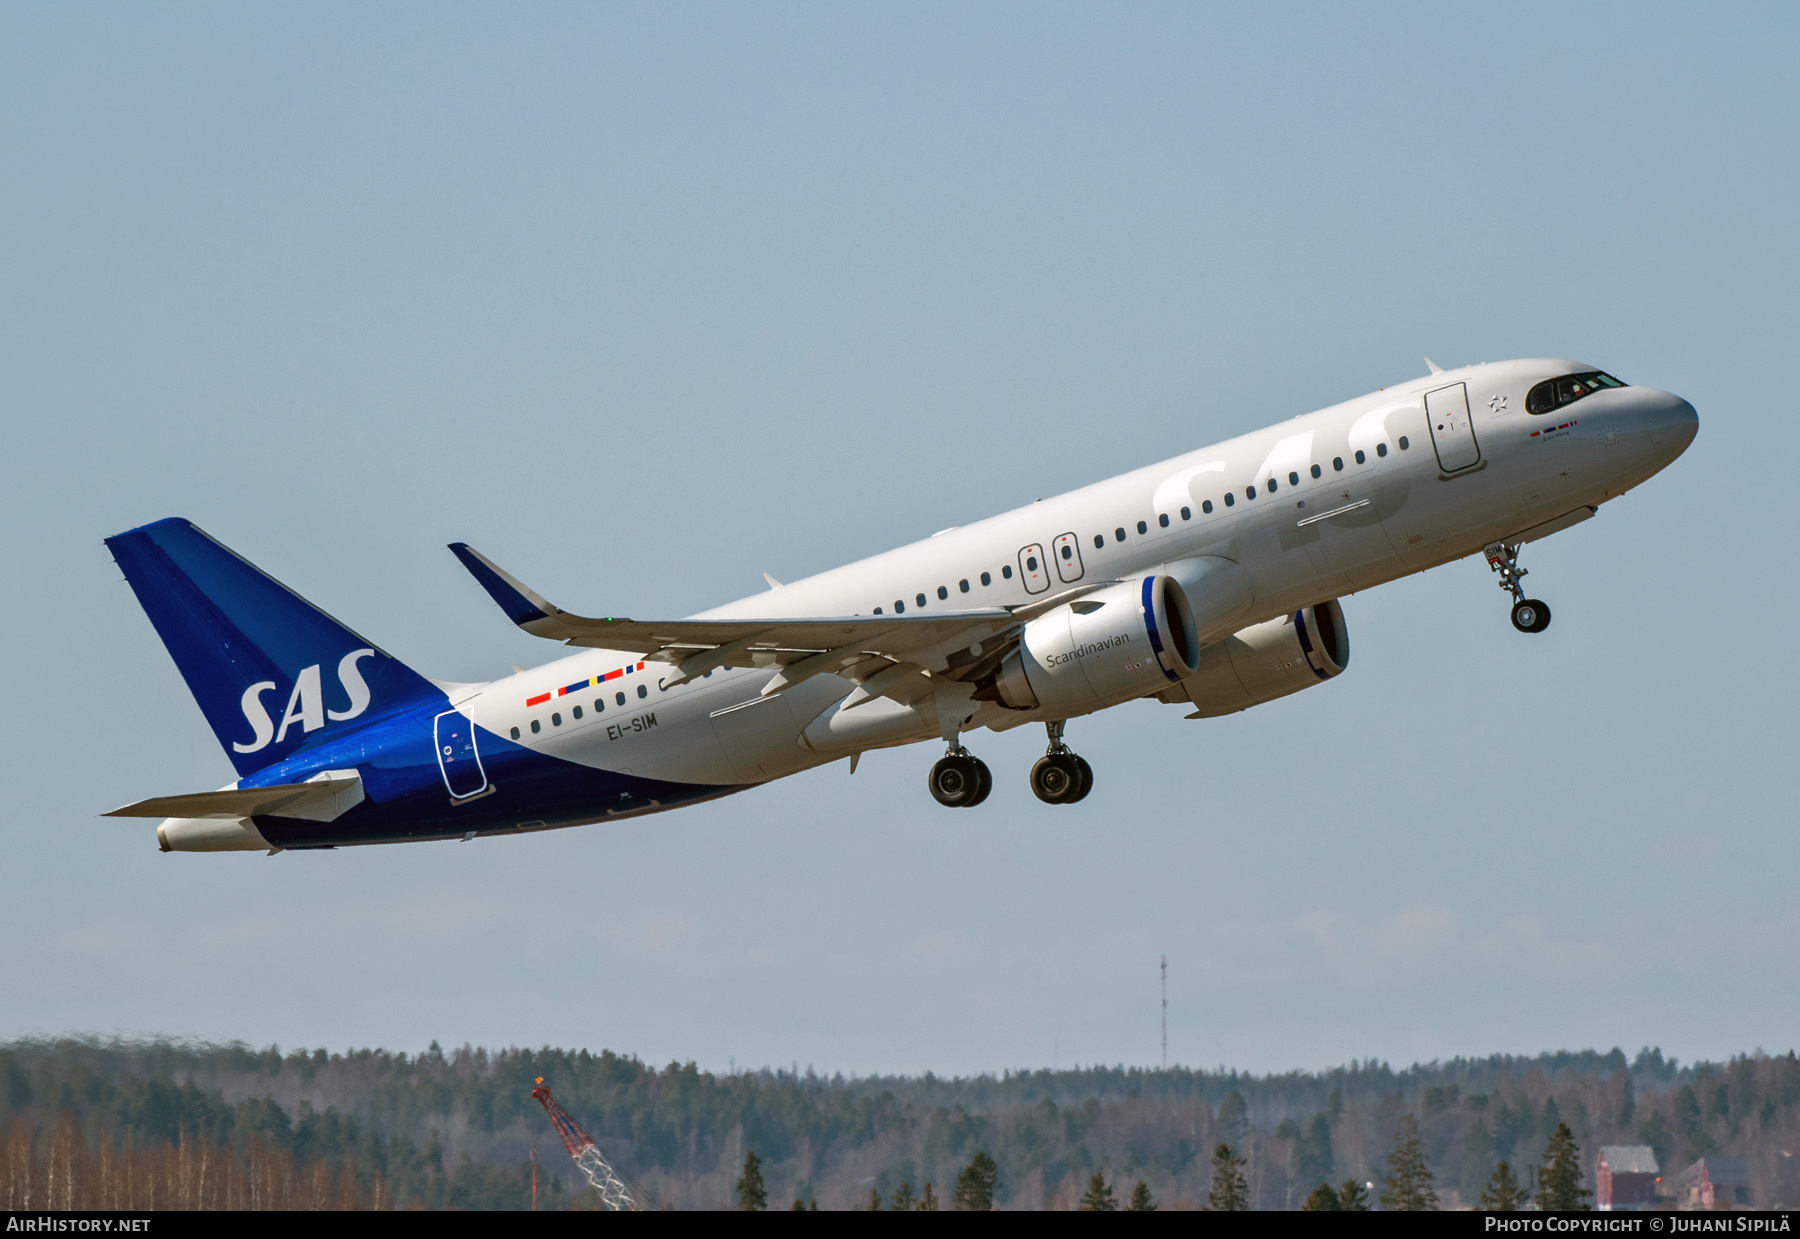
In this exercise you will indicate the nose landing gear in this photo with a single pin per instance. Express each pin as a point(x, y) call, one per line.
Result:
point(960, 780)
point(1528, 614)
point(1060, 776)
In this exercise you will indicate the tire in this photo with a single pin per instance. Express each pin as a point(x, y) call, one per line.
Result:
point(1530, 616)
point(955, 782)
point(984, 782)
point(1054, 779)
point(1084, 779)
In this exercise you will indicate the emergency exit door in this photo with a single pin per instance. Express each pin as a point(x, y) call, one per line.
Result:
point(1033, 570)
point(1452, 431)
point(1067, 549)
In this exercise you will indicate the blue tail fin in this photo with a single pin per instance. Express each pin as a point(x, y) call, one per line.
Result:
point(270, 670)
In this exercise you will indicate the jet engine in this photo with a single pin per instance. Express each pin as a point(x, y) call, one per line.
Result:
point(1121, 642)
point(1266, 661)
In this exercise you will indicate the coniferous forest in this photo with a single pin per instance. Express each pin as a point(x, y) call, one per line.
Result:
point(89, 1124)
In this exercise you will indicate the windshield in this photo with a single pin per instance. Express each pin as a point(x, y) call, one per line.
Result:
point(1554, 393)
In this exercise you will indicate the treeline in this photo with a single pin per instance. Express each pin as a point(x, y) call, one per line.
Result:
point(61, 1169)
point(457, 1130)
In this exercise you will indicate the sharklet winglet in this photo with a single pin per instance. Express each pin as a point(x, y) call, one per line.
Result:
point(521, 604)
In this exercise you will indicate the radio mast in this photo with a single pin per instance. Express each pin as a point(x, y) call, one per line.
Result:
point(1165, 1010)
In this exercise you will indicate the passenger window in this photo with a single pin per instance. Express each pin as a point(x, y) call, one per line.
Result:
point(1293, 479)
point(1337, 464)
point(1360, 458)
point(1068, 552)
point(1163, 520)
point(1006, 571)
point(1273, 486)
point(1230, 499)
point(1031, 563)
point(878, 610)
point(1249, 492)
point(986, 579)
point(515, 733)
point(1099, 541)
point(1316, 471)
point(600, 702)
point(576, 711)
point(1381, 449)
point(1187, 514)
point(642, 692)
point(619, 697)
point(920, 598)
point(963, 585)
point(1206, 505)
point(556, 720)
point(1119, 534)
point(1143, 528)
point(899, 607)
point(1403, 444)
point(535, 727)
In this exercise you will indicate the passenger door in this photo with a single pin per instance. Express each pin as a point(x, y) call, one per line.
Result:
point(457, 756)
point(1452, 431)
point(1032, 569)
point(1068, 557)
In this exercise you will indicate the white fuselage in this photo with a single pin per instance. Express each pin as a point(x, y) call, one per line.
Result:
point(1395, 493)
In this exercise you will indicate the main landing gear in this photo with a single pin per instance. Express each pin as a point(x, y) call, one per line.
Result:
point(960, 780)
point(1060, 776)
point(1528, 614)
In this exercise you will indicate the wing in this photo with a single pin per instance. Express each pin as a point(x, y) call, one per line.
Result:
point(957, 644)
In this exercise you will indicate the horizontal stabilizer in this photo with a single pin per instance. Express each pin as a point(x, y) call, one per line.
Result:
point(323, 798)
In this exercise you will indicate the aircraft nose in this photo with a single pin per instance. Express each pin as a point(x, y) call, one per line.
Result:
point(1673, 424)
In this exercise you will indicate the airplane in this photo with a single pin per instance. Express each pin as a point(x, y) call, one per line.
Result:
point(1209, 582)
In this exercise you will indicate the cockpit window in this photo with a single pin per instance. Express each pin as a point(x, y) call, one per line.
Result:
point(1554, 393)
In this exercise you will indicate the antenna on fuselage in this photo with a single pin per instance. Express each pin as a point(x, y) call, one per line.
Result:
point(1435, 368)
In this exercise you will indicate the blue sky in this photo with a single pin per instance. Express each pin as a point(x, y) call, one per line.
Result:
point(645, 302)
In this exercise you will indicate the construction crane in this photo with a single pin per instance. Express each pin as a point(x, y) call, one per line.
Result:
point(600, 1176)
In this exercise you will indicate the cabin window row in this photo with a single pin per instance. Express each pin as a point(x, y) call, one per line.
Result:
point(1272, 486)
point(943, 591)
point(556, 718)
point(1143, 527)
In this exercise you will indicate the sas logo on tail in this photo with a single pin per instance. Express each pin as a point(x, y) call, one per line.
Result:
point(306, 704)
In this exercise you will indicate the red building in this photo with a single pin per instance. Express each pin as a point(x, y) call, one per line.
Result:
point(1714, 1183)
point(1626, 1177)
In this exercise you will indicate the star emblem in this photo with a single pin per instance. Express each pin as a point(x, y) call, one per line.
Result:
point(1498, 404)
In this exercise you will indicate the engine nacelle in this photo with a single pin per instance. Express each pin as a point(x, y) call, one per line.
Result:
point(1266, 661)
point(1121, 642)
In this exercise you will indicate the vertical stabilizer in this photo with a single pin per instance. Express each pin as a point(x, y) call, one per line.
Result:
point(271, 671)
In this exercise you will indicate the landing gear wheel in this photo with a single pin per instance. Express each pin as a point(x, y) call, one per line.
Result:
point(1085, 773)
point(1530, 615)
point(1056, 779)
point(984, 782)
point(956, 781)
